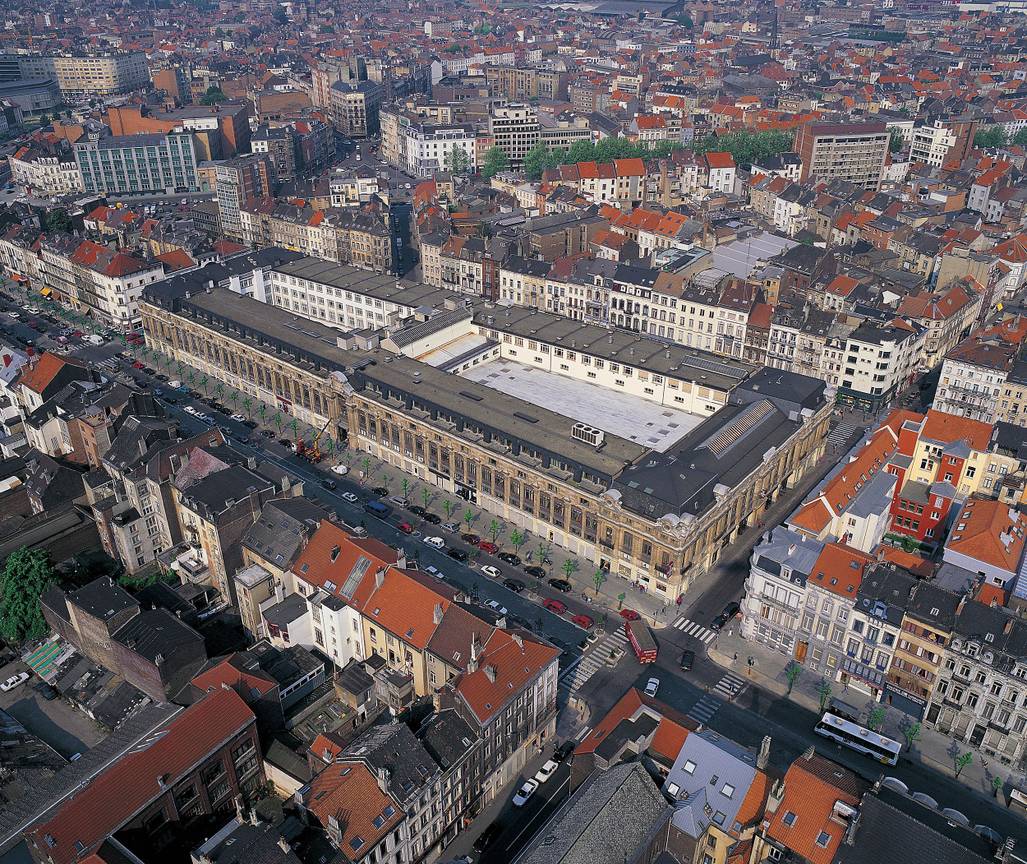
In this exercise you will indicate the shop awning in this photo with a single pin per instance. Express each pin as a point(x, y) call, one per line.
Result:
point(47, 291)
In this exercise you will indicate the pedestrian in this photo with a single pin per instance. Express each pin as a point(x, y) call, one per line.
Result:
point(735, 658)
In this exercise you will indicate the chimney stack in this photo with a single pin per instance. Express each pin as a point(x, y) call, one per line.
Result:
point(763, 759)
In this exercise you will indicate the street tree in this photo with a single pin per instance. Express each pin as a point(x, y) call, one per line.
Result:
point(824, 692)
point(792, 673)
point(496, 160)
point(598, 578)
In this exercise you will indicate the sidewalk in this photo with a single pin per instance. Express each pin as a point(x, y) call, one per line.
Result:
point(731, 651)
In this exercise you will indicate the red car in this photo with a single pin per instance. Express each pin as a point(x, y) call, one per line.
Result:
point(488, 546)
point(555, 606)
point(629, 615)
point(76, 334)
point(583, 621)
point(137, 365)
point(406, 527)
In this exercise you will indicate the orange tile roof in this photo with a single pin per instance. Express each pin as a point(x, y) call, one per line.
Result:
point(405, 607)
point(129, 784)
point(37, 376)
point(948, 428)
point(349, 793)
point(755, 802)
point(242, 680)
point(989, 531)
point(504, 668)
point(812, 786)
point(667, 741)
point(839, 569)
point(316, 565)
point(720, 160)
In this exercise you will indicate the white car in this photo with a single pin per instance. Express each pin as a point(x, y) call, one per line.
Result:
point(350, 497)
point(238, 418)
point(190, 410)
point(13, 315)
point(435, 542)
point(652, 687)
point(546, 771)
point(340, 469)
point(495, 607)
point(524, 793)
point(491, 572)
point(14, 681)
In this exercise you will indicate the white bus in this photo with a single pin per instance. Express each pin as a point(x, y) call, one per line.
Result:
point(857, 737)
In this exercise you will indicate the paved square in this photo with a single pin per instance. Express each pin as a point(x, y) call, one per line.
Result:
point(626, 416)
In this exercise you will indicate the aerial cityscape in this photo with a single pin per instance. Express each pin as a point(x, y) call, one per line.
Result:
point(569, 432)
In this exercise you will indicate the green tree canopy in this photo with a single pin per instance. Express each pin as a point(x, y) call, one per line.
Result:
point(213, 95)
point(27, 575)
point(993, 136)
point(747, 147)
point(540, 158)
point(457, 160)
point(57, 221)
point(496, 160)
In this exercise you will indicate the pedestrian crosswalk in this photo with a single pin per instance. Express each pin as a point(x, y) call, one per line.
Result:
point(730, 685)
point(704, 710)
point(575, 676)
point(695, 630)
point(841, 433)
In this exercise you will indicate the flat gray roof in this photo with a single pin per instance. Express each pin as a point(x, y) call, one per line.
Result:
point(619, 346)
point(506, 417)
point(633, 418)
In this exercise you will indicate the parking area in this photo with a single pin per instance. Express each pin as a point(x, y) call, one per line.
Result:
point(53, 720)
point(630, 417)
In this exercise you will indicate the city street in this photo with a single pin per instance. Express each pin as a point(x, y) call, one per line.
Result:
point(725, 699)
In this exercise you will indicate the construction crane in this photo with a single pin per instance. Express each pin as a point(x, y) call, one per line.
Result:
point(313, 453)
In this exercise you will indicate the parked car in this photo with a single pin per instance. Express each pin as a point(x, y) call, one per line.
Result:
point(484, 840)
point(456, 554)
point(585, 622)
point(250, 424)
point(652, 686)
point(515, 585)
point(341, 470)
point(239, 418)
point(729, 612)
point(14, 681)
point(472, 539)
point(417, 510)
point(557, 607)
point(491, 572)
point(488, 546)
point(350, 497)
point(451, 527)
point(329, 484)
point(435, 542)
point(629, 615)
point(406, 527)
point(267, 433)
point(524, 793)
point(535, 571)
point(687, 660)
point(497, 607)
point(561, 585)
point(546, 771)
point(431, 518)
point(509, 558)
point(563, 751)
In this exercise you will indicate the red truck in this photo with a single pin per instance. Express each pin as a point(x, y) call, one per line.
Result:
point(641, 640)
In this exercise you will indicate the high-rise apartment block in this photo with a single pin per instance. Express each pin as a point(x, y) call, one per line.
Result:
point(845, 151)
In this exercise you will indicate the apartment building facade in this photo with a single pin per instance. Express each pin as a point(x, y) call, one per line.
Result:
point(855, 152)
point(514, 129)
point(83, 75)
point(159, 164)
